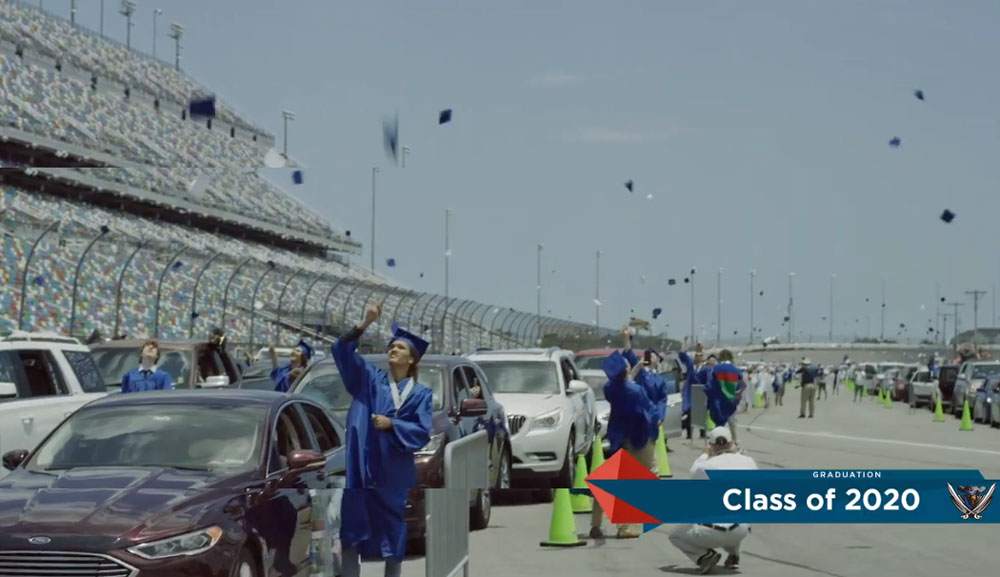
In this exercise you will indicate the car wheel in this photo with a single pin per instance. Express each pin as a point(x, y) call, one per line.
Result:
point(568, 471)
point(480, 515)
point(543, 495)
point(245, 566)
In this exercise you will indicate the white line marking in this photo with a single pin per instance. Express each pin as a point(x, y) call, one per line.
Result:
point(867, 440)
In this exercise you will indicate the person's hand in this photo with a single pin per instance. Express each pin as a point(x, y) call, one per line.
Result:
point(372, 314)
point(382, 422)
point(270, 350)
point(474, 391)
point(294, 374)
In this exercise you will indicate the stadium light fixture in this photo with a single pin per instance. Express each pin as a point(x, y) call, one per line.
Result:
point(287, 115)
point(72, 12)
point(127, 10)
point(156, 13)
point(176, 31)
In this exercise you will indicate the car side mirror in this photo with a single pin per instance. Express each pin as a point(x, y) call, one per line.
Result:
point(578, 387)
point(305, 459)
point(13, 459)
point(472, 408)
point(8, 391)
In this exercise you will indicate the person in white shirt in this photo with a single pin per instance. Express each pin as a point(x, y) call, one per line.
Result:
point(700, 541)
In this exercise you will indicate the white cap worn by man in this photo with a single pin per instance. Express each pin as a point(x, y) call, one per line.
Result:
point(699, 542)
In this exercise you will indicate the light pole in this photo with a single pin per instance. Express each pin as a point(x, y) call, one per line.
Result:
point(102, 27)
point(693, 335)
point(538, 299)
point(753, 274)
point(374, 172)
point(176, 31)
point(975, 310)
point(597, 295)
point(127, 10)
point(286, 116)
point(156, 13)
point(718, 309)
point(937, 311)
point(882, 332)
point(832, 278)
point(447, 250)
point(791, 307)
point(72, 19)
point(24, 273)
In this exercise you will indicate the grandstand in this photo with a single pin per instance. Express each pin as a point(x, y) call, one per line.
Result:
point(157, 256)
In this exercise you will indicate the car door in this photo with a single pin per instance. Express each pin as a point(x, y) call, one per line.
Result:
point(579, 406)
point(487, 422)
point(288, 508)
point(48, 398)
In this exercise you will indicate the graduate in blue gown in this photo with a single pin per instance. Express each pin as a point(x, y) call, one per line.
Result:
point(654, 386)
point(284, 376)
point(389, 420)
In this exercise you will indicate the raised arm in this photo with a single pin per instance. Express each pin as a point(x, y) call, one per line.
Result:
point(352, 366)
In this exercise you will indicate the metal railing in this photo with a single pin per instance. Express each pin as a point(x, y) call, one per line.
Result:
point(466, 466)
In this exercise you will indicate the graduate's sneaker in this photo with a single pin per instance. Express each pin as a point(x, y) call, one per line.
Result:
point(732, 561)
point(596, 533)
point(708, 561)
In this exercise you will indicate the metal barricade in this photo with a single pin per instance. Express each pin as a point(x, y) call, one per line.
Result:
point(699, 407)
point(466, 468)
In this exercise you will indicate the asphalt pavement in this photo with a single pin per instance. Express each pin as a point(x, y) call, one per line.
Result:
point(843, 435)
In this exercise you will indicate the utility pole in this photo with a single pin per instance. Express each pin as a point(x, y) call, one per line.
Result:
point(937, 311)
point(753, 274)
point(976, 294)
point(882, 336)
point(597, 297)
point(693, 335)
point(955, 316)
point(718, 309)
point(944, 318)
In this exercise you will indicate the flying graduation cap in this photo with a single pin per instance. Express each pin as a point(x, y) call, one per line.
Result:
point(297, 177)
point(672, 282)
point(947, 216)
point(39, 281)
point(919, 94)
point(629, 185)
point(390, 137)
point(656, 312)
point(203, 107)
point(895, 142)
point(686, 280)
point(444, 117)
point(391, 262)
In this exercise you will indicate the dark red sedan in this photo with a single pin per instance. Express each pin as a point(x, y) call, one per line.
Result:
point(207, 483)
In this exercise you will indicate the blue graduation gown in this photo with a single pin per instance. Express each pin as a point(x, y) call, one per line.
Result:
point(720, 406)
point(280, 378)
point(655, 388)
point(380, 466)
point(631, 414)
point(138, 380)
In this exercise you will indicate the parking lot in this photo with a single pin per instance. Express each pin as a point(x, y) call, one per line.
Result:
point(843, 435)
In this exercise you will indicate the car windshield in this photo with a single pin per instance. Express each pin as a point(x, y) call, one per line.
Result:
point(324, 385)
point(589, 362)
point(262, 367)
point(985, 371)
point(532, 377)
point(183, 436)
point(114, 363)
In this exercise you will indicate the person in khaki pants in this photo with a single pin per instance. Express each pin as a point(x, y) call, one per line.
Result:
point(807, 376)
point(628, 428)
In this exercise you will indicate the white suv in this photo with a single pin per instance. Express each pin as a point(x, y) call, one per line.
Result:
point(550, 412)
point(44, 377)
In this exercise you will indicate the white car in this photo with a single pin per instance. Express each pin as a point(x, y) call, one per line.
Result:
point(923, 388)
point(44, 378)
point(551, 412)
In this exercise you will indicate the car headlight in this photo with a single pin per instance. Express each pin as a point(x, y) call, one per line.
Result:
point(433, 446)
point(549, 420)
point(182, 545)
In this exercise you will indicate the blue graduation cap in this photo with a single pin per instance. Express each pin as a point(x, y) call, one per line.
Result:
point(177, 265)
point(895, 142)
point(919, 94)
point(788, 319)
point(672, 282)
point(629, 185)
point(947, 216)
point(390, 262)
point(297, 177)
point(195, 314)
point(307, 351)
point(390, 137)
point(445, 116)
point(416, 343)
point(630, 356)
point(656, 312)
point(202, 107)
point(614, 365)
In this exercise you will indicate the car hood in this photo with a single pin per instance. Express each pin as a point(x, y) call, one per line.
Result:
point(107, 507)
point(528, 405)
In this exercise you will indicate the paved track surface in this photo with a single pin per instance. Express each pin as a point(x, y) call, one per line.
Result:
point(844, 435)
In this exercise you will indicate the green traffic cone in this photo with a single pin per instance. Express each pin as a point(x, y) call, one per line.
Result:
point(849, 384)
point(888, 400)
point(562, 528)
point(758, 400)
point(662, 461)
point(597, 454)
point(938, 411)
point(581, 503)
point(966, 417)
point(881, 398)
point(709, 423)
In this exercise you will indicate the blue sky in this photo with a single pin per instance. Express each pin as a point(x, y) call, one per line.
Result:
point(760, 129)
